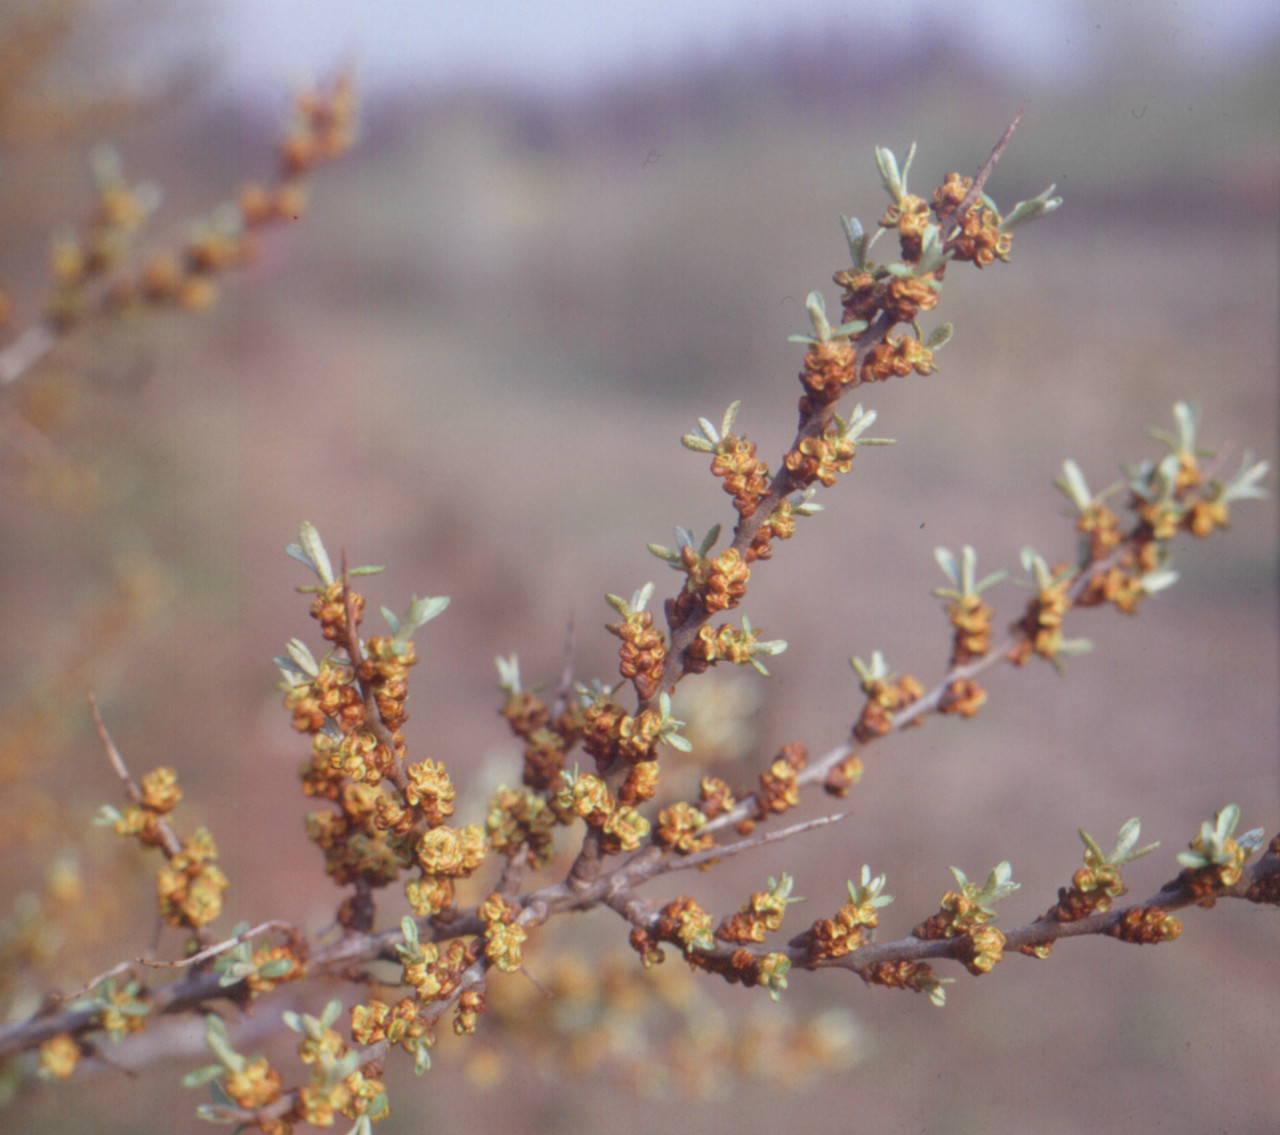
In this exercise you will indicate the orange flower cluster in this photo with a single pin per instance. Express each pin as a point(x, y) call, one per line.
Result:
point(191, 884)
point(829, 370)
point(843, 776)
point(521, 822)
point(1092, 890)
point(379, 831)
point(546, 741)
point(869, 294)
point(746, 477)
point(781, 525)
point(714, 797)
point(779, 789)
point(680, 828)
point(401, 1023)
point(971, 618)
point(1146, 927)
point(820, 458)
point(982, 949)
point(643, 654)
point(896, 357)
point(884, 699)
point(903, 974)
point(1040, 628)
point(713, 585)
point(762, 915)
point(617, 825)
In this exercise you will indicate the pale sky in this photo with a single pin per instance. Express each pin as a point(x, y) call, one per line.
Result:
point(550, 44)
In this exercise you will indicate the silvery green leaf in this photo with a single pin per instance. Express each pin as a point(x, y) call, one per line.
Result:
point(1025, 211)
point(816, 305)
point(990, 581)
point(201, 1076)
point(932, 254)
point(947, 562)
point(422, 611)
point(276, 967)
point(508, 674)
point(344, 1066)
point(939, 336)
point(877, 670)
point(1128, 836)
point(889, 173)
point(107, 814)
point(1252, 839)
point(1034, 563)
point(859, 422)
point(726, 424)
point(804, 504)
point(1091, 846)
point(215, 1036)
point(332, 1011)
point(302, 657)
point(1073, 485)
point(409, 929)
point(1244, 485)
point(310, 551)
point(289, 674)
point(709, 541)
point(421, 1058)
point(234, 975)
point(697, 444)
point(1158, 580)
point(1225, 823)
point(1000, 883)
point(1186, 418)
point(857, 239)
point(853, 327)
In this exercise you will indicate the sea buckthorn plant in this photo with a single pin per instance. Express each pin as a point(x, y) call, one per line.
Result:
point(437, 913)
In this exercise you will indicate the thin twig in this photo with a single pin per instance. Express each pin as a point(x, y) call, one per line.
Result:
point(373, 715)
point(975, 192)
point(131, 789)
point(711, 854)
point(223, 947)
point(169, 841)
point(565, 692)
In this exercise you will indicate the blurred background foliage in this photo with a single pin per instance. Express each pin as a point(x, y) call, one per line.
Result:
point(472, 360)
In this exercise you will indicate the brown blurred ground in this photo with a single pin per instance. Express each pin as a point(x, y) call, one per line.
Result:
point(473, 363)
